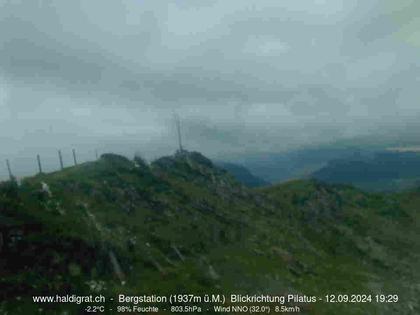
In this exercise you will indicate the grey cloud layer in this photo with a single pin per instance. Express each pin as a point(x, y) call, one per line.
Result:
point(108, 74)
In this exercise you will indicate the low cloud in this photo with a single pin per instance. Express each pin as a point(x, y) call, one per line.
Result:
point(245, 76)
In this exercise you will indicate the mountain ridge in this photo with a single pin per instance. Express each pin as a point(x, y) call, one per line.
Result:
point(181, 224)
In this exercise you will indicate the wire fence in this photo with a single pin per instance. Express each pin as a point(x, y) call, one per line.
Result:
point(40, 167)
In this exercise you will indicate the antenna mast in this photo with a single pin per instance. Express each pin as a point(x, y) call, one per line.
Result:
point(178, 129)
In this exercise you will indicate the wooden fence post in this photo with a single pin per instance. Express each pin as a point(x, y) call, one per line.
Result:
point(61, 159)
point(9, 170)
point(74, 157)
point(39, 163)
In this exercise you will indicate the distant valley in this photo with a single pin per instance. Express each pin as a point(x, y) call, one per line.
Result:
point(371, 170)
point(383, 171)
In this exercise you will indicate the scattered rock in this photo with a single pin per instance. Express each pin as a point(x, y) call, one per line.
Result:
point(46, 189)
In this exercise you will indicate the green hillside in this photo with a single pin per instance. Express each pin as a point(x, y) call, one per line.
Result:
point(242, 174)
point(182, 225)
point(380, 171)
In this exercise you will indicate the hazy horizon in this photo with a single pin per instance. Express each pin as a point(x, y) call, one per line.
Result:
point(244, 76)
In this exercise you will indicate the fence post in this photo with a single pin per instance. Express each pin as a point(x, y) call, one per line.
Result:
point(61, 159)
point(96, 154)
point(9, 170)
point(39, 163)
point(74, 157)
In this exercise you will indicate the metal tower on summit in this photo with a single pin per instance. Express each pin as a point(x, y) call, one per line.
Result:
point(178, 129)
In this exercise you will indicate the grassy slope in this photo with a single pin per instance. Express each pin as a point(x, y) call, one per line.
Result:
point(183, 225)
point(366, 242)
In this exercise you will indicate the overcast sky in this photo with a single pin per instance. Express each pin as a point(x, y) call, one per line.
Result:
point(244, 76)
